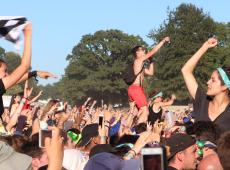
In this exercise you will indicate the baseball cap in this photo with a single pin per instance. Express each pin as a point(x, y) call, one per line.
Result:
point(10, 159)
point(105, 161)
point(178, 142)
point(88, 132)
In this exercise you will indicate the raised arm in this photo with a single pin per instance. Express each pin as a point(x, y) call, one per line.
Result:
point(156, 48)
point(187, 69)
point(150, 71)
point(35, 98)
point(12, 79)
point(40, 74)
point(168, 103)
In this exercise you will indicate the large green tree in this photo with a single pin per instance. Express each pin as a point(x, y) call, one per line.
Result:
point(95, 66)
point(188, 27)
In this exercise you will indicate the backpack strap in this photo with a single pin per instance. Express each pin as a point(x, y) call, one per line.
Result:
point(139, 73)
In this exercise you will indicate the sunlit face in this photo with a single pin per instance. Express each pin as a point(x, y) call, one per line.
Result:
point(214, 84)
point(190, 158)
point(140, 52)
point(158, 99)
point(17, 99)
point(3, 70)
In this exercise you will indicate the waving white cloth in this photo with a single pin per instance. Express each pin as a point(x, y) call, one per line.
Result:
point(11, 27)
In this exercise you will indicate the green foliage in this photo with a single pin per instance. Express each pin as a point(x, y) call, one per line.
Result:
point(97, 60)
point(95, 66)
point(189, 27)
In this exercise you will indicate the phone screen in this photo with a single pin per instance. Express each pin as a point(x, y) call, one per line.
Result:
point(153, 159)
point(42, 135)
point(152, 162)
point(100, 120)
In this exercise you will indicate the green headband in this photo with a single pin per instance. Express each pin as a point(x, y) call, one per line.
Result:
point(74, 137)
point(160, 94)
point(224, 76)
point(125, 144)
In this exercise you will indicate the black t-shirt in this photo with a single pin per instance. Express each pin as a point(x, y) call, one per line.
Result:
point(153, 116)
point(2, 91)
point(171, 168)
point(200, 105)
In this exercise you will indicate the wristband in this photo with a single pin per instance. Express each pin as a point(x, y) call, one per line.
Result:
point(32, 74)
point(104, 138)
point(133, 152)
point(107, 121)
point(129, 155)
point(107, 126)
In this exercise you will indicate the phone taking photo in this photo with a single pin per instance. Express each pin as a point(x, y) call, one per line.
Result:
point(153, 159)
point(43, 133)
point(101, 119)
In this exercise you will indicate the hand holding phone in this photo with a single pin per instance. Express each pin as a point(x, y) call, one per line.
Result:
point(43, 133)
point(153, 158)
point(101, 119)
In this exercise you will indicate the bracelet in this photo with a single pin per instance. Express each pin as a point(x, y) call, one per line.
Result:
point(25, 98)
point(32, 74)
point(104, 138)
point(23, 101)
point(107, 126)
point(129, 155)
point(107, 121)
point(133, 152)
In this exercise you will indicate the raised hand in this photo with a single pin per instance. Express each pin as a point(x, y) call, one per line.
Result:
point(40, 93)
point(173, 96)
point(211, 42)
point(28, 30)
point(166, 39)
point(149, 127)
point(54, 149)
point(45, 74)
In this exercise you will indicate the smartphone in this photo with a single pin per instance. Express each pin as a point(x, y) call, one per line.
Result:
point(101, 119)
point(153, 158)
point(43, 133)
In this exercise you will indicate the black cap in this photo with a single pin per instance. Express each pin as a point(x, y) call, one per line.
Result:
point(88, 132)
point(178, 142)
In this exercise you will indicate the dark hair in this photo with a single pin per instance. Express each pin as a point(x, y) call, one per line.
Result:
point(32, 149)
point(134, 50)
point(141, 127)
point(227, 71)
point(13, 97)
point(204, 130)
point(2, 61)
point(121, 151)
point(223, 150)
point(16, 141)
point(128, 139)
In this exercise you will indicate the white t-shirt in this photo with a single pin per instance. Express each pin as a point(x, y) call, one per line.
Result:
point(73, 160)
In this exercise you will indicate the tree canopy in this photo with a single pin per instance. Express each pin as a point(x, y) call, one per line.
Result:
point(189, 27)
point(96, 62)
point(95, 66)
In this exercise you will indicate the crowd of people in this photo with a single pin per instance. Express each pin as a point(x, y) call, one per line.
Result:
point(97, 136)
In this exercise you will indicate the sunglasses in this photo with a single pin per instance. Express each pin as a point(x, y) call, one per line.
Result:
point(201, 144)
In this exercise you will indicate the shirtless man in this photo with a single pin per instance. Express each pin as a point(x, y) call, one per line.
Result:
point(136, 90)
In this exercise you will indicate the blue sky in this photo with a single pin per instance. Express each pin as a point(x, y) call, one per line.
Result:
point(59, 25)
